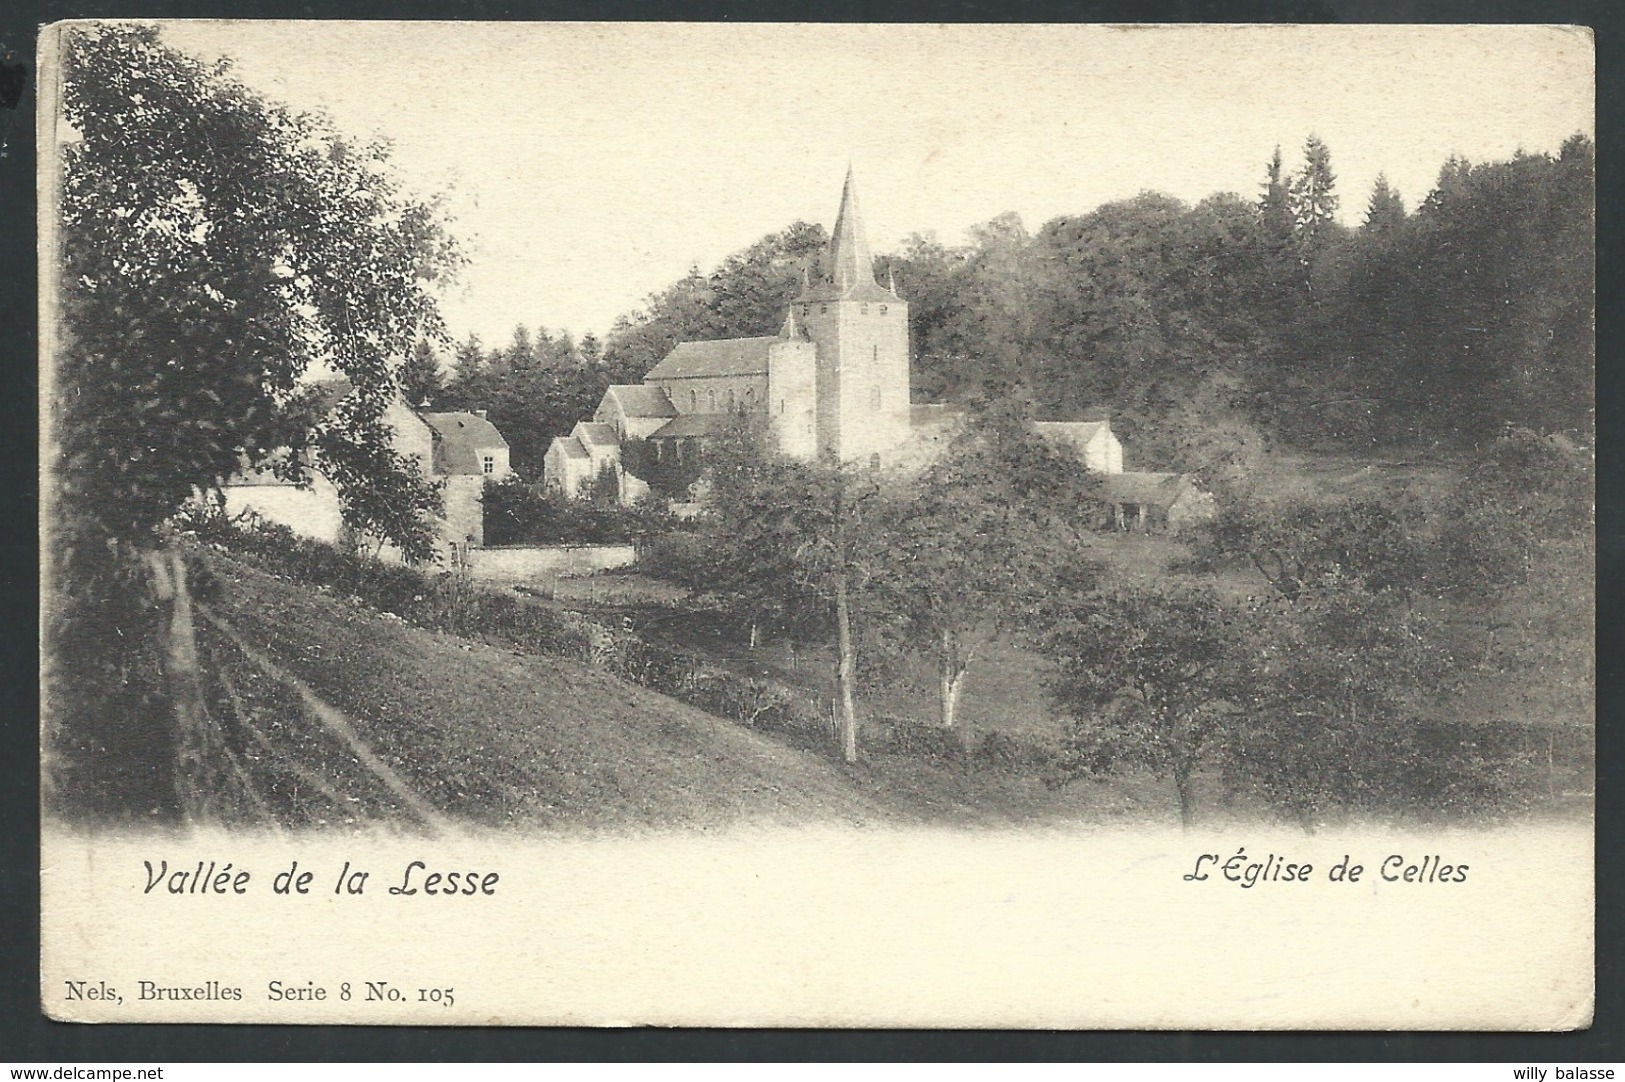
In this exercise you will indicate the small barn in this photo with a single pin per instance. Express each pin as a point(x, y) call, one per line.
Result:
point(1149, 502)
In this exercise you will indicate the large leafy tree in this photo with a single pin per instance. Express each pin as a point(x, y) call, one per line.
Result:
point(1153, 679)
point(214, 249)
point(960, 551)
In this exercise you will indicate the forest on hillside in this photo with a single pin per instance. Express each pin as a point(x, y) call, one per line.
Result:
point(1208, 331)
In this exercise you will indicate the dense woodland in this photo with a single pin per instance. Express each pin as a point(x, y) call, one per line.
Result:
point(1208, 330)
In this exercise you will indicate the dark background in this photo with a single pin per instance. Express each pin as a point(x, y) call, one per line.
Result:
point(26, 1035)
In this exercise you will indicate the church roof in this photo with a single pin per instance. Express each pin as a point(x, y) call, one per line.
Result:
point(726, 357)
point(641, 400)
point(694, 424)
point(848, 269)
point(462, 436)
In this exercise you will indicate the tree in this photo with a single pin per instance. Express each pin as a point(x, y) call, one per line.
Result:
point(1275, 205)
point(1152, 678)
point(1337, 704)
point(747, 295)
point(197, 287)
point(1313, 195)
point(1385, 210)
point(960, 551)
point(420, 377)
point(783, 542)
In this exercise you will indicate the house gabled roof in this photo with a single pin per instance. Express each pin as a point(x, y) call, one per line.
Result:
point(1155, 489)
point(1077, 433)
point(694, 424)
point(568, 447)
point(641, 400)
point(595, 434)
point(459, 440)
point(725, 357)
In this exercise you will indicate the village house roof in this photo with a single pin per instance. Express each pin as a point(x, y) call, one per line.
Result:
point(925, 414)
point(595, 434)
point(724, 357)
point(569, 447)
point(459, 440)
point(640, 400)
point(1078, 433)
point(694, 424)
point(1152, 489)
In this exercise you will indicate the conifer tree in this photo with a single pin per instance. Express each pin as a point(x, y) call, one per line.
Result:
point(1313, 194)
point(1385, 211)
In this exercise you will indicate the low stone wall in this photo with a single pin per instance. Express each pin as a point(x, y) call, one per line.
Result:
point(526, 563)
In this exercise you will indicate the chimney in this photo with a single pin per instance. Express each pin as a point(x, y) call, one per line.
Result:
point(480, 414)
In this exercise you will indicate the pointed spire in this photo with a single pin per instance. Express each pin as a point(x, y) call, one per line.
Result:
point(891, 279)
point(791, 328)
point(850, 264)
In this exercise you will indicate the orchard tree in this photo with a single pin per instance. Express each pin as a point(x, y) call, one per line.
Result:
point(1153, 678)
point(214, 247)
point(960, 550)
point(786, 543)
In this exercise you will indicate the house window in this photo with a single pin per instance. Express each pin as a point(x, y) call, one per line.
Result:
point(781, 405)
point(488, 463)
point(883, 309)
point(874, 462)
point(806, 309)
point(823, 308)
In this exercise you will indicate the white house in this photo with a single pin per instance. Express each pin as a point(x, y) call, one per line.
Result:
point(459, 450)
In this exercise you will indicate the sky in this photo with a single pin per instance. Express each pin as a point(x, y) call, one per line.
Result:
point(585, 166)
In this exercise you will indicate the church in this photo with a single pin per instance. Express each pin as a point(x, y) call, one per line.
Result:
point(833, 384)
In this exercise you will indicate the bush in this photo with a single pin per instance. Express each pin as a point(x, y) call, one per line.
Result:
point(1416, 769)
point(520, 513)
point(903, 736)
point(1012, 755)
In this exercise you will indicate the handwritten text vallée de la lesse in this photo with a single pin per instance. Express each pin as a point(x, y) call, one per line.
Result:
point(416, 879)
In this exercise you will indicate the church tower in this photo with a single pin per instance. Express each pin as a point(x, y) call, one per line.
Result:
point(860, 329)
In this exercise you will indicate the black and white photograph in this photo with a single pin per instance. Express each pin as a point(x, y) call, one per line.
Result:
point(1038, 527)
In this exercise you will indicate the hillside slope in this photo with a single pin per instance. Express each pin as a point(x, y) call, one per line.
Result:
point(488, 735)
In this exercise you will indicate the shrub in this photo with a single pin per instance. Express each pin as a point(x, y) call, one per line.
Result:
point(520, 513)
point(903, 736)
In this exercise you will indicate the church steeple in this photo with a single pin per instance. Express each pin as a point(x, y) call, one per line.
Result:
point(847, 270)
point(850, 264)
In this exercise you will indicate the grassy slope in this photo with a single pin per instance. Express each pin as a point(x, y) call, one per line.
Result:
point(493, 736)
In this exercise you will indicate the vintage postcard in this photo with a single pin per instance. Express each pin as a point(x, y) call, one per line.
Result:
point(1051, 527)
